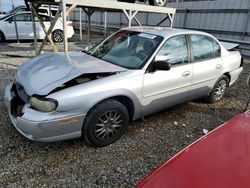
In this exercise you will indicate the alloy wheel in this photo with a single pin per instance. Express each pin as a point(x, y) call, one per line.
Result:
point(58, 36)
point(220, 89)
point(108, 125)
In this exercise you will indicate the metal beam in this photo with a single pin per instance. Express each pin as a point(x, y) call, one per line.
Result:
point(44, 29)
point(64, 16)
point(89, 6)
point(34, 28)
point(14, 18)
point(246, 23)
point(89, 13)
point(50, 29)
point(80, 22)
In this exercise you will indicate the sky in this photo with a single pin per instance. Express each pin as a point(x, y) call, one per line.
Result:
point(6, 5)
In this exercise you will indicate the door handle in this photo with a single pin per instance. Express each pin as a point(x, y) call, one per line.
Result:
point(185, 74)
point(218, 66)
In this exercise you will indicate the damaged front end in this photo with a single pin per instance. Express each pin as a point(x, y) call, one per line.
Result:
point(82, 79)
point(31, 105)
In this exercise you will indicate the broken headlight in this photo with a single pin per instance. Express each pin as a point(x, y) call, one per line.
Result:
point(43, 104)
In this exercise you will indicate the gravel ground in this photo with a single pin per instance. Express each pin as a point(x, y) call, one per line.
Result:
point(145, 145)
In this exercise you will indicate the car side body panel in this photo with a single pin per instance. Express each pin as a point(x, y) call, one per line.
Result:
point(47, 76)
point(85, 96)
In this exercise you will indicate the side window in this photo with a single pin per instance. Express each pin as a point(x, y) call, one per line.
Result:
point(21, 18)
point(217, 52)
point(174, 51)
point(204, 47)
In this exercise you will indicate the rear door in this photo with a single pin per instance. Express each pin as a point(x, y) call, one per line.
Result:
point(162, 89)
point(207, 64)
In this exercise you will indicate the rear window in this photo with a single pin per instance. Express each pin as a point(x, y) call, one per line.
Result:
point(204, 47)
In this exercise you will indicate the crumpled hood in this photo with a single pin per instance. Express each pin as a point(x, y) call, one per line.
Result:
point(46, 72)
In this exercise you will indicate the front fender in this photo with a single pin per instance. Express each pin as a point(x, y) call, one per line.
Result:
point(84, 96)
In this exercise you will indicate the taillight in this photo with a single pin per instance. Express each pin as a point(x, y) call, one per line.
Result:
point(70, 24)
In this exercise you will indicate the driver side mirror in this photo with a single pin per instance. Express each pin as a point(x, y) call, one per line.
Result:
point(248, 81)
point(161, 65)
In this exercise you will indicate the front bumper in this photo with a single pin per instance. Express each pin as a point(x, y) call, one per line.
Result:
point(40, 126)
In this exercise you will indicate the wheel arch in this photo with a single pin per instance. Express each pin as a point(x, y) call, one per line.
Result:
point(228, 77)
point(124, 100)
point(3, 34)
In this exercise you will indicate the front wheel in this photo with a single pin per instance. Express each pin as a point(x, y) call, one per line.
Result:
point(105, 123)
point(160, 3)
point(218, 90)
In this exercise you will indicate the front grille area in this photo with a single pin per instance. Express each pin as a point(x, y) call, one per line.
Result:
point(18, 102)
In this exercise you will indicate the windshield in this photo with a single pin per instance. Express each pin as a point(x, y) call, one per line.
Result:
point(128, 49)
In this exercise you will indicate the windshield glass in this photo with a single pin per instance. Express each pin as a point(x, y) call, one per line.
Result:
point(128, 49)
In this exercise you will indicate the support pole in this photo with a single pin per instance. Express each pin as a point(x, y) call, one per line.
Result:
point(185, 18)
point(64, 18)
point(80, 23)
point(14, 17)
point(246, 23)
point(89, 14)
point(105, 24)
point(50, 15)
point(89, 18)
point(34, 28)
point(171, 18)
point(129, 18)
point(1, 7)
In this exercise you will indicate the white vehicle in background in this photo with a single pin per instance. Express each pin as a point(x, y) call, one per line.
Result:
point(25, 29)
point(44, 9)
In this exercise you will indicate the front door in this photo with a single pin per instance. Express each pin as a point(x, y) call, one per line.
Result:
point(162, 89)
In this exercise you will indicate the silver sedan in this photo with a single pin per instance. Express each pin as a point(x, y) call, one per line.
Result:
point(135, 72)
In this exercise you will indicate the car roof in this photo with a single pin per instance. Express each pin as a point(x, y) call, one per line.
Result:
point(164, 31)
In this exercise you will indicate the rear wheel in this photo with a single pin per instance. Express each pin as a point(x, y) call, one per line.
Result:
point(2, 37)
point(105, 123)
point(160, 3)
point(57, 36)
point(218, 90)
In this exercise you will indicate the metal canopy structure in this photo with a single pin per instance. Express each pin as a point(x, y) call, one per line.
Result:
point(66, 7)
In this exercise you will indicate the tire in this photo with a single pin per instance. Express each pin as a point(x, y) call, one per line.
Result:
point(57, 36)
point(105, 123)
point(218, 90)
point(160, 3)
point(2, 37)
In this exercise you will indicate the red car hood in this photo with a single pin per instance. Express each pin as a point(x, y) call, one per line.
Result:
point(220, 159)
